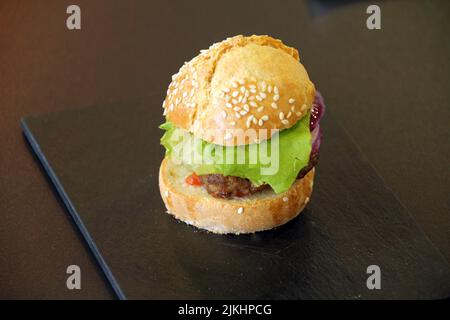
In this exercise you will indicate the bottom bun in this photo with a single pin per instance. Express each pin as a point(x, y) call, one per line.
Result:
point(261, 211)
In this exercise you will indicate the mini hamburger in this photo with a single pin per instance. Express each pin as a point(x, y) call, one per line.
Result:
point(241, 136)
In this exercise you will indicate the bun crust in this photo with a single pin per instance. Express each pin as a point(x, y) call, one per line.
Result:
point(260, 211)
point(242, 82)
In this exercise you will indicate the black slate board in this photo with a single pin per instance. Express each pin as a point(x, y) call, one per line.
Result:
point(104, 164)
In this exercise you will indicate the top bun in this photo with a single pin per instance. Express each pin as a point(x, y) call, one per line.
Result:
point(242, 82)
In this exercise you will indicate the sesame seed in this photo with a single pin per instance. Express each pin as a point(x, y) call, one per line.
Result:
point(253, 104)
point(298, 113)
point(263, 86)
point(241, 82)
point(185, 94)
point(243, 112)
point(240, 210)
point(240, 99)
point(246, 108)
point(228, 105)
point(254, 120)
point(304, 107)
point(251, 117)
point(262, 95)
point(251, 98)
point(236, 108)
point(291, 100)
point(227, 98)
point(274, 105)
point(228, 136)
point(259, 98)
point(244, 99)
point(226, 90)
point(265, 118)
point(234, 84)
point(275, 90)
point(292, 108)
point(260, 122)
point(237, 115)
point(281, 115)
point(306, 200)
point(166, 194)
point(286, 122)
point(285, 199)
point(171, 107)
point(235, 94)
point(243, 89)
point(269, 89)
point(289, 115)
point(234, 101)
point(233, 123)
point(252, 86)
point(247, 93)
point(260, 109)
point(224, 114)
point(252, 90)
point(276, 97)
point(164, 112)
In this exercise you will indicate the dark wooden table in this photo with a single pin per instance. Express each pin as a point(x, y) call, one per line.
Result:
point(390, 89)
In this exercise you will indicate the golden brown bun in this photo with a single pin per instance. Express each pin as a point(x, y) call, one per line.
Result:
point(242, 82)
point(261, 211)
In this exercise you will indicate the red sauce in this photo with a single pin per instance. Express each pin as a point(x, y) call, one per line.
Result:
point(194, 180)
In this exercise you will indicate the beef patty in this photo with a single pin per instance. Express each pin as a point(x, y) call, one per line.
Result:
point(221, 186)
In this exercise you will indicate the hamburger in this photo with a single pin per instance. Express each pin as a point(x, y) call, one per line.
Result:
point(242, 137)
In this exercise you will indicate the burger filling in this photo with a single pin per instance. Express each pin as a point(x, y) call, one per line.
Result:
point(221, 186)
point(298, 149)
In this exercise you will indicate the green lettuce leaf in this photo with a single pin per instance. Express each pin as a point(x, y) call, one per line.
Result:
point(280, 172)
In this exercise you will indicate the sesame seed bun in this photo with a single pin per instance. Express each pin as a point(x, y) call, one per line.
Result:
point(253, 82)
point(261, 211)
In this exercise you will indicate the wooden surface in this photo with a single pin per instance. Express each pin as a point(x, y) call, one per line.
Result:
point(104, 163)
point(389, 88)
